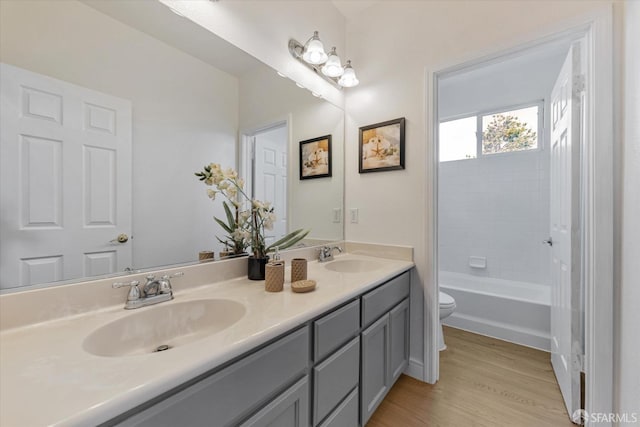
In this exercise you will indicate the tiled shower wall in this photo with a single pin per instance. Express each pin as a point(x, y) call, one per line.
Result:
point(496, 207)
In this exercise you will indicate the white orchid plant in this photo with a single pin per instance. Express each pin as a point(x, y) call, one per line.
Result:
point(249, 219)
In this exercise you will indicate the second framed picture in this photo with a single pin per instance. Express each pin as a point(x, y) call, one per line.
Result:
point(315, 157)
point(381, 146)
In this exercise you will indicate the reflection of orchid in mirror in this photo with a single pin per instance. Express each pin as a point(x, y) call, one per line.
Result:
point(246, 226)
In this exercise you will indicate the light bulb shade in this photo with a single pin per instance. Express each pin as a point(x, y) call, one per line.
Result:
point(348, 78)
point(333, 67)
point(314, 51)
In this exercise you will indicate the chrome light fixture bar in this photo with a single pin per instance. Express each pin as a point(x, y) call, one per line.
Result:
point(313, 56)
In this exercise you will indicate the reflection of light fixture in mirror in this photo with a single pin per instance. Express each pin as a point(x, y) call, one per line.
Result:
point(332, 71)
point(333, 67)
point(314, 51)
point(348, 78)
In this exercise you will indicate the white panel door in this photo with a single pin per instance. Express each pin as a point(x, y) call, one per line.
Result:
point(270, 176)
point(566, 336)
point(65, 180)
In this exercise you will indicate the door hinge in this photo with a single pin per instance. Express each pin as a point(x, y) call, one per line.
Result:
point(579, 83)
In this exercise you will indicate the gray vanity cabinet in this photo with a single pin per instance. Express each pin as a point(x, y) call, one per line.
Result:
point(332, 372)
point(385, 341)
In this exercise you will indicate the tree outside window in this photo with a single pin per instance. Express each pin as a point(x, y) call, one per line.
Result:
point(510, 131)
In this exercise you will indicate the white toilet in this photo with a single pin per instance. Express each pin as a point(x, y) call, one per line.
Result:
point(447, 307)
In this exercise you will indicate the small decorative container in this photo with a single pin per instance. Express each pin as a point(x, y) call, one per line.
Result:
point(302, 286)
point(205, 256)
point(274, 276)
point(298, 269)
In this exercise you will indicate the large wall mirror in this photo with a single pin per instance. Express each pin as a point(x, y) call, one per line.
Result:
point(108, 109)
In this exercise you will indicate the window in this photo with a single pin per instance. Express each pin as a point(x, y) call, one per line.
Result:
point(504, 131)
point(458, 139)
point(507, 131)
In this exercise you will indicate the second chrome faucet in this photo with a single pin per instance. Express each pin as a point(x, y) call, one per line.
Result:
point(326, 253)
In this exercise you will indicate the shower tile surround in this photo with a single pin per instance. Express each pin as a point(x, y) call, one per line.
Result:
point(29, 320)
point(496, 206)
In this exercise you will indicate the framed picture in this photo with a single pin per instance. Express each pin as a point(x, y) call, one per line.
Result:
point(315, 157)
point(381, 146)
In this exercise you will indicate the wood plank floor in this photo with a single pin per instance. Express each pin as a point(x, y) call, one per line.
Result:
point(483, 382)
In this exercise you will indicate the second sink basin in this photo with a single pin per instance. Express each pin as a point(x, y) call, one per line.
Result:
point(352, 266)
point(163, 327)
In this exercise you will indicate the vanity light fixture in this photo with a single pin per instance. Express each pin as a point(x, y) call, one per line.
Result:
point(333, 67)
point(314, 51)
point(348, 78)
point(312, 55)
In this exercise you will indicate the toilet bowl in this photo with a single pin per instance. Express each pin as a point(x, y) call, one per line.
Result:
point(447, 307)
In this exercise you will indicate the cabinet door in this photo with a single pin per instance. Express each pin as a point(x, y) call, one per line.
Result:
point(399, 340)
point(376, 375)
point(290, 409)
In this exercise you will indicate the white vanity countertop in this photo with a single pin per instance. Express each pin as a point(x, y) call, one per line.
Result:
point(46, 378)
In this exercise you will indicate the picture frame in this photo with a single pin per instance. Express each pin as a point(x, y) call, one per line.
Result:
point(381, 146)
point(316, 158)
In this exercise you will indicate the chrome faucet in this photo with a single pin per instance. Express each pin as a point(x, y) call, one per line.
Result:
point(326, 253)
point(154, 291)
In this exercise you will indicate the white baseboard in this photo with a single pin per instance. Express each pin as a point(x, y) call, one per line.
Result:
point(415, 369)
point(503, 331)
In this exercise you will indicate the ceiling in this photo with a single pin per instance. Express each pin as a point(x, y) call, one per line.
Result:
point(351, 9)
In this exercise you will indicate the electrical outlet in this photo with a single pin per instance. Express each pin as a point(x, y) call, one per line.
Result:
point(353, 214)
point(337, 215)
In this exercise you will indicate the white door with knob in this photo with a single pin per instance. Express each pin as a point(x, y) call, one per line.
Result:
point(65, 180)
point(566, 307)
point(270, 176)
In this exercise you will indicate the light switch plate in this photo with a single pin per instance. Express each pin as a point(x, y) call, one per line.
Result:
point(337, 215)
point(353, 214)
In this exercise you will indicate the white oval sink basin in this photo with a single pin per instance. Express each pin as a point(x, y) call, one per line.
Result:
point(171, 325)
point(352, 266)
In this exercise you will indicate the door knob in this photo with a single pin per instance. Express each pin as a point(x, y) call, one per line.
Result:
point(122, 238)
point(548, 241)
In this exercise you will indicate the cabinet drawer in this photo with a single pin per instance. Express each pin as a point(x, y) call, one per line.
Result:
point(225, 396)
point(289, 409)
point(346, 414)
point(335, 378)
point(335, 329)
point(381, 300)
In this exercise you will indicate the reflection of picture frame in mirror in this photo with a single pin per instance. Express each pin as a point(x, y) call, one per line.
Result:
point(315, 157)
point(381, 146)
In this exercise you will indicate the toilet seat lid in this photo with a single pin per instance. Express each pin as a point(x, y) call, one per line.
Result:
point(446, 300)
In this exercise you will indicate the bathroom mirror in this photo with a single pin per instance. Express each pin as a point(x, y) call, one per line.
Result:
point(184, 97)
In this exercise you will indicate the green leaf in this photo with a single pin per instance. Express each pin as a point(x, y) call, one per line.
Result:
point(288, 240)
point(224, 226)
point(230, 218)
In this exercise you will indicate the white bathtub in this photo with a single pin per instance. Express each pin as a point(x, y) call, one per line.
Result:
point(513, 311)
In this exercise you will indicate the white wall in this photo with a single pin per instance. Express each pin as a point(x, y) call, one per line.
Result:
point(497, 206)
point(185, 113)
point(628, 348)
point(408, 38)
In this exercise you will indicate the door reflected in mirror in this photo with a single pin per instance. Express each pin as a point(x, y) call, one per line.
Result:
point(182, 98)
